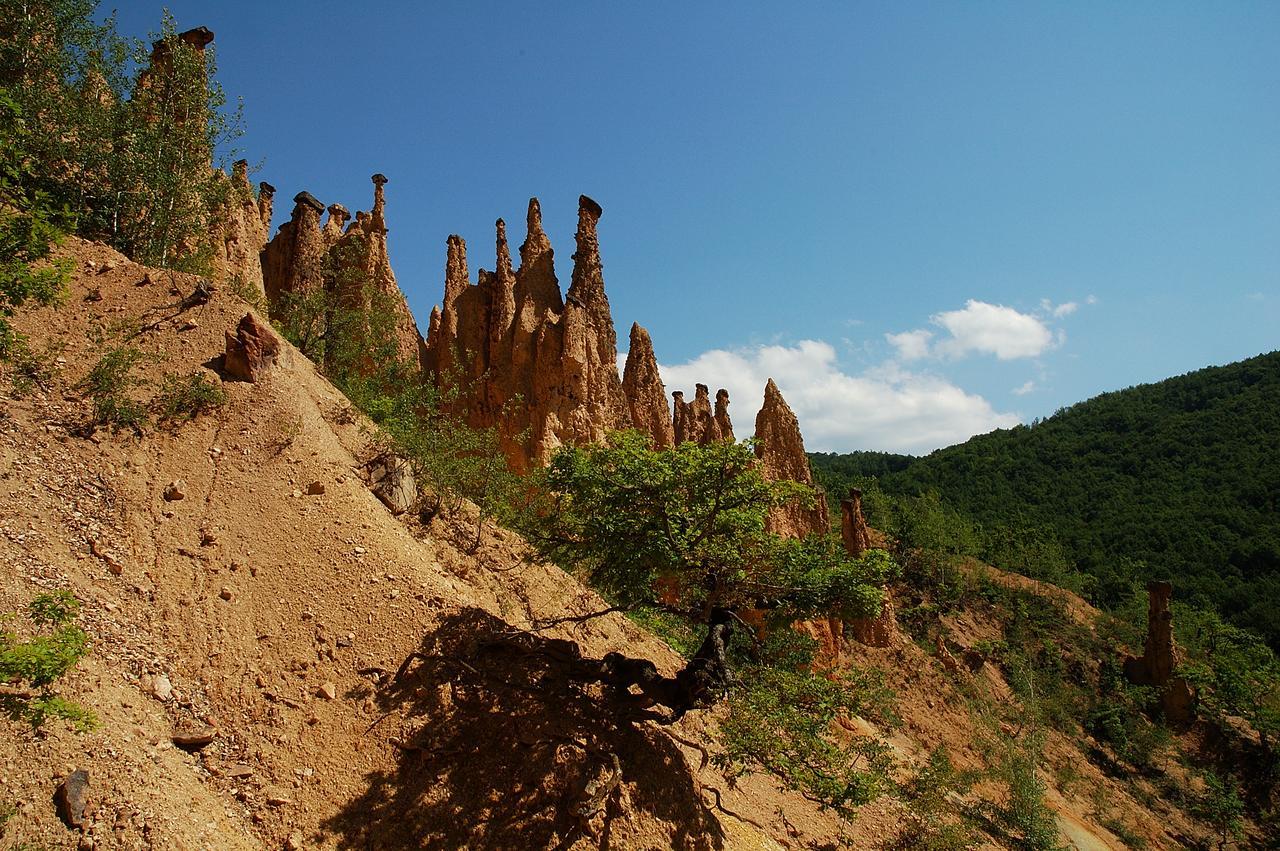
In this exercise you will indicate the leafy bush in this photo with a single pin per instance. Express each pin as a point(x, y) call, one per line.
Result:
point(1024, 815)
point(43, 659)
point(111, 385)
point(187, 396)
point(932, 824)
point(29, 227)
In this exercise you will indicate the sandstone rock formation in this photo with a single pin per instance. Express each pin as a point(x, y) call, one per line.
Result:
point(696, 421)
point(251, 350)
point(642, 386)
point(347, 262)
point(242, 234)
point(781, 452)
point(1160, 658)
point(293, 261)
point(853, 526)
point(360, 275)
point(540, 368)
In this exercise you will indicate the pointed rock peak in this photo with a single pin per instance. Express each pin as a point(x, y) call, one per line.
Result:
point(306, 199)
point(533, 219)
point(504, 251)
point(456, 276)
point(240, 172)
point(535, 242)
point(642, 388)
point(266, 189)
point(640, 338)
point(722, 415)
point(772, 393)
point(701, 392)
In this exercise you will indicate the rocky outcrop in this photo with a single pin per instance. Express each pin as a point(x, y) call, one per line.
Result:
point(251, 350)
point(348, 262)
point(696, 421)
point(781, 451)
point(1160, 658)
point(293, 261)
point(853, 526)
point(538, 367)
point(242, 235)
point(642, 386)
point(360, 277)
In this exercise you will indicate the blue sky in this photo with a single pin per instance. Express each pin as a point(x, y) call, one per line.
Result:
point(925, 220)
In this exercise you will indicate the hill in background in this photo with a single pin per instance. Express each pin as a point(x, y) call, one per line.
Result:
point(1179, 479)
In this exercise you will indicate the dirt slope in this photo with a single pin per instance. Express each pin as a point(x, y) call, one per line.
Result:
point(281, 617)
point(253, 600)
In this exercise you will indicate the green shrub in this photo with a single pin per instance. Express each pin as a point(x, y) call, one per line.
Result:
point(1222, 807)
point(932, 823)
point(111, 385)
point(187, 396)
point(41, 660)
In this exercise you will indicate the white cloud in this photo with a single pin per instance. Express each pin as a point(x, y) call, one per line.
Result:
point(1024, 389)
point(1093, 299)
point(1065, 309)
point(887, 408)
point(991, 329)
point(911, 345)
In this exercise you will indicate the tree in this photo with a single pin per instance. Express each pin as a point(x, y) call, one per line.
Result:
point(120, 136)
point(683, 531)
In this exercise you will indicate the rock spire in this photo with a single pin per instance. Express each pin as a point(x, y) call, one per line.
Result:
point(781, 452)
point(513, 336)
point(644, 392)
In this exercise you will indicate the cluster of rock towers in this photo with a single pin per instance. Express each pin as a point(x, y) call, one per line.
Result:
point(514, 352)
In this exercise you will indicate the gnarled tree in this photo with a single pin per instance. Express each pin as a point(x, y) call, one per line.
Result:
point(682, 532)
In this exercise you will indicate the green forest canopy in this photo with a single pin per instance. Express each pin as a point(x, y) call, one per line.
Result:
point(1179, 479)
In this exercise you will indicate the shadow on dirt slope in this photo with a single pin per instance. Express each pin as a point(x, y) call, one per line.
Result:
point(499, 748)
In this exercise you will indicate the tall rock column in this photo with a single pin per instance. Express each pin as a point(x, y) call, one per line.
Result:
point(362, 277)
point(643, 389)
point(1160, 658)
point(592, 388)
point(781, 452)
point(853, 526)
point(242, 235)
point(293, 261)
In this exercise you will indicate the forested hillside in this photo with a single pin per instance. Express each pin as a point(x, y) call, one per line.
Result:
point(1178, 479)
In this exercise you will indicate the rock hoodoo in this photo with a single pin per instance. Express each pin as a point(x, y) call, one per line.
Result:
point(513, 336)
point(293, 261)
point(781, 452)
point(347, 261)
point(697, 421)
point(643, 389)
point(243, 232)
point(853, 526)
point(1160, 658)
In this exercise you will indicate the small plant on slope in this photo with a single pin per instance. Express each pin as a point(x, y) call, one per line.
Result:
point(110, 384)
point(187, 396)
point(38, 662)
